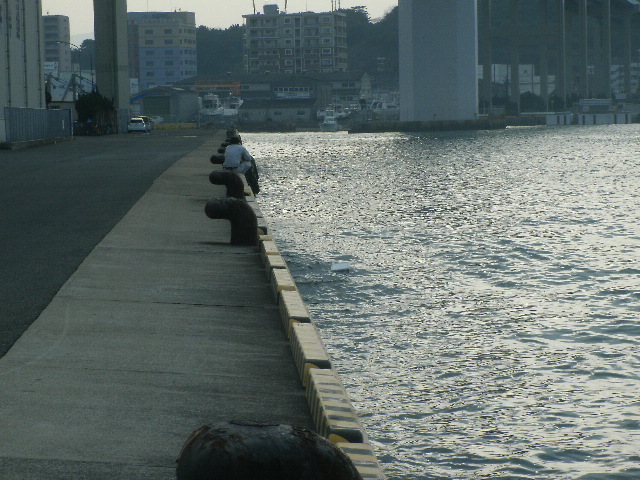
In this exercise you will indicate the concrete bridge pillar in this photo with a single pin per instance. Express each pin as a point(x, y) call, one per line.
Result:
point(486, 56)
point(112, 63)
point(627, 52)
point(439, 58)
point(544, 53)
point(514, 54)
point(604, 72)
point(584, 89)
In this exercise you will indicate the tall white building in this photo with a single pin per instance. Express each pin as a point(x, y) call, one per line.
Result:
point(57, 38)
point(438, 60)
point(21, 57)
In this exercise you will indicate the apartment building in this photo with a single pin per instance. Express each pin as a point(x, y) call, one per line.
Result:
point(57, 38)
point(162, 47)
point(307, 42)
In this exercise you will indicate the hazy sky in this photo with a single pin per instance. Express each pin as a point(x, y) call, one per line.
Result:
point(211, 13)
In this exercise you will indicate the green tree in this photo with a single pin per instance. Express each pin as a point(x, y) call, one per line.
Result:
point(530, 102)
point(94, 107)
point(85, 56)
point(219, 51)
point(372, 45)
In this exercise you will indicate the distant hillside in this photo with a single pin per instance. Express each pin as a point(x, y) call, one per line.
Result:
point(373, 46)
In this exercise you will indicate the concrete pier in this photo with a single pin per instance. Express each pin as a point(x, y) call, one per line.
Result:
point(163, 328)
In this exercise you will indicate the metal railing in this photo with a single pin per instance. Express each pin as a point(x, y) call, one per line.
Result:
point(27, 124)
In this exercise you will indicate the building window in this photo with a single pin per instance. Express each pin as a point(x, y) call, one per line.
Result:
point(288, 42)
point(327, 51)
point(301, 113)
point(288, 51)
point(276, 113)
point(148, 32)
point(168, 41)
point(287, 21)
point(149, 63)
point(327, 61)
point(326, 41)
point(168, 31)
point(168, 52)
point(168, 63)
point(288, 63)
point(149, 52)
point(148, 42)
point(151, 74)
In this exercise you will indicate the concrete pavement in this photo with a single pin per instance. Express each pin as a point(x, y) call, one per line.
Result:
point(163, 328)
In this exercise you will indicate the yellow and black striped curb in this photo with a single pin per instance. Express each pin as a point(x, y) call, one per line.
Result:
point(333, 414)
point(308, 350)
point(331, 409)
point(292, 310)
point(272, 262)
point(362, 456)
point(281, 280)
point(268, 248)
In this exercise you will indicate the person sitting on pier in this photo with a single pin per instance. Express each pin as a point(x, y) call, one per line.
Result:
point(238, 159)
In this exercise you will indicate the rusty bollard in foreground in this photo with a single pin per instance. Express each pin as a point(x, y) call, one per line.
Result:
point(249, 451)
point(234, 184)
point(244, 223)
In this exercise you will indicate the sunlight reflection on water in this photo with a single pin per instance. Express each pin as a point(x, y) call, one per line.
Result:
point(489, 328)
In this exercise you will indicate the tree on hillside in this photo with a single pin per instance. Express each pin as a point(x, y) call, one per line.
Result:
point(368, 42)
point(85, 56)
point(373, 46)
point(219, 51)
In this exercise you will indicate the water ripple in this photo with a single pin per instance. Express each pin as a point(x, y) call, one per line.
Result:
point(489, 328)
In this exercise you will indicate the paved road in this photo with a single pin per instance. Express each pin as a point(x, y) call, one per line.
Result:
point(58, 201)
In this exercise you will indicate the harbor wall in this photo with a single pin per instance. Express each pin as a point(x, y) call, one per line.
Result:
point(333, 414)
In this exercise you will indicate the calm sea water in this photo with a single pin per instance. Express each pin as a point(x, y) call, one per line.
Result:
point(489, 327)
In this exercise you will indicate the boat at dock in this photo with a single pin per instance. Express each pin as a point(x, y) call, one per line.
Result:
point(329, 124)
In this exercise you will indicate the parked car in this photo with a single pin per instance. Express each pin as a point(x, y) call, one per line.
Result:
point(137, 124)
point(148, 120)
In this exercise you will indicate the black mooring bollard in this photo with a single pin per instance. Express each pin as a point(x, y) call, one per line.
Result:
point(244, 223)
point(249, 451)
point(217, 158)
point(234, 184)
